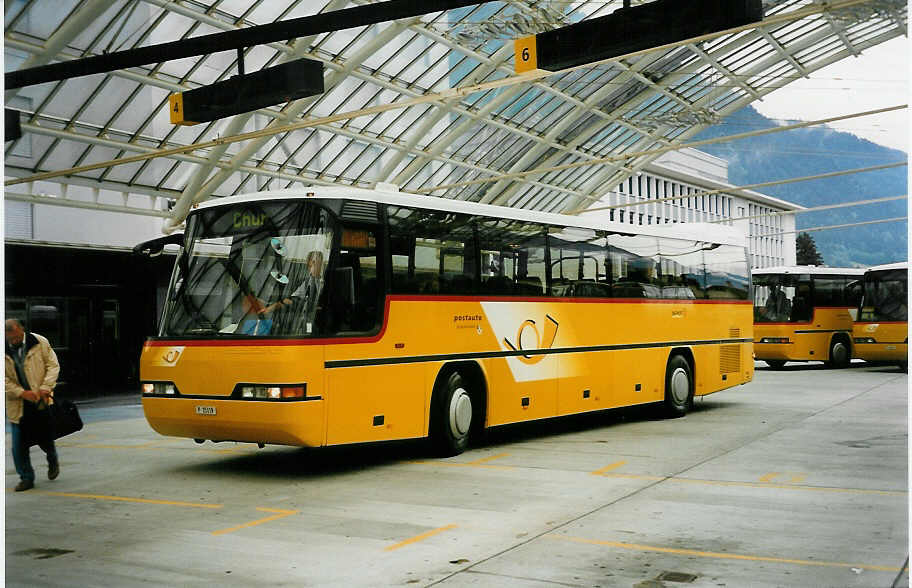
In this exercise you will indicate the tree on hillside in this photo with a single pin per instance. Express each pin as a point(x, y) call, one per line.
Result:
point(806, 250)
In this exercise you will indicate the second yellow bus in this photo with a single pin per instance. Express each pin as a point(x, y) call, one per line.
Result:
point(805, 313)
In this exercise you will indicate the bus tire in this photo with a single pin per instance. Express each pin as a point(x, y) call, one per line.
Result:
point(776, 364)
point(679, 387)
point(451, 420)
point(840, 353)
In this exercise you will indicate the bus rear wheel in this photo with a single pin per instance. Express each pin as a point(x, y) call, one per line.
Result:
point(776, 364)
point(840, 355)
point(451, 421)
point(679, 387)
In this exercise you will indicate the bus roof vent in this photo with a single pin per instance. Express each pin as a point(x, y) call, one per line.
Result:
point(361, 211)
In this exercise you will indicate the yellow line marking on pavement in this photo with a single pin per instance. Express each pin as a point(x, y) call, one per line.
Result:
point(150, 444)
point(279, 515)
point(792, 487)
point(635, 477)
point(420, 537)
point(613, 466)
point(795, 478)
point(711, 554)
point(756, 484)
point(606, 473)
point(130, 499)
point(484, 459)
point(468, 464)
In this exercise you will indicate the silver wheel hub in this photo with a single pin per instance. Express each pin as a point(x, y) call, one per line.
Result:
point(680, 385)
point(460, 413)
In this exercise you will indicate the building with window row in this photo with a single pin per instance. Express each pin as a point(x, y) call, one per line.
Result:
point(689, 186)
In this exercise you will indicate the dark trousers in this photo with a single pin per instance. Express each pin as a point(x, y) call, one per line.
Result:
point(21, 457)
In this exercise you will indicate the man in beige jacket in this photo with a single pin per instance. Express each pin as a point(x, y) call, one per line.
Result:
point(31, 374)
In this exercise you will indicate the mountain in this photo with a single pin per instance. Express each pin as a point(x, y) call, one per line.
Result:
point(813, 151)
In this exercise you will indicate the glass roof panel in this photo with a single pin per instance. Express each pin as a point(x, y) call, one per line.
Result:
point(609, 109)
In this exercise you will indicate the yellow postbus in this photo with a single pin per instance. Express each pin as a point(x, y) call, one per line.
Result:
point(336, 315)
point(881, 332)
point(805, 313)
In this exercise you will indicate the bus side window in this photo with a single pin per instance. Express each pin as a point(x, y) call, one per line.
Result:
point(853, 293)
point(828, 290)
point(635, 266)
point(432, 252)
point(402, 252)
point(512, 257)
point(802, 307)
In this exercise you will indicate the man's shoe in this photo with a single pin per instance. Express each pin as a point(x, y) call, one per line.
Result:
point(53, 471)
point(24, 485)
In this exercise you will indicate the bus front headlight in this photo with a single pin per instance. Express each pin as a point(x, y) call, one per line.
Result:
point(270, 392)
point(159, 389)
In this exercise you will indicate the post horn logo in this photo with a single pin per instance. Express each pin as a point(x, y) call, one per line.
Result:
point(541, 340)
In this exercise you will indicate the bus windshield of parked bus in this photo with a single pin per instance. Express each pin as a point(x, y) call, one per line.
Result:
point(781, 298)
point(250, 270)
point(884, 297)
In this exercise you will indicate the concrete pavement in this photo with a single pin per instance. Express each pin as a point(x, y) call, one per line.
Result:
point(797, 479)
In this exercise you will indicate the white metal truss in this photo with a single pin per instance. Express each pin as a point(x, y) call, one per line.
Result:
point(626, 106)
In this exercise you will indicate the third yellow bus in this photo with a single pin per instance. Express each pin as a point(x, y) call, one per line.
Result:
point(882, 330)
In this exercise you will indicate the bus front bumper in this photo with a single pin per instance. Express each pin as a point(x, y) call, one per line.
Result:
point(783, 351)
point(881, 351)
point(299, 423)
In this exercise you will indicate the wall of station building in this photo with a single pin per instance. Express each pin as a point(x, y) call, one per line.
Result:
point(684, 177)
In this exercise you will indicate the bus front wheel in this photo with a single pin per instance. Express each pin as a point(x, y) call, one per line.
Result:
point(452, 418)
point(840, 355)
point(679, 387)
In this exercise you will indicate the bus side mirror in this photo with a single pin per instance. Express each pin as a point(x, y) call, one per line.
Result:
point(155, 247)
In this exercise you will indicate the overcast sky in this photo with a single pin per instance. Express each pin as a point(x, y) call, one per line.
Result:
point(878, 78)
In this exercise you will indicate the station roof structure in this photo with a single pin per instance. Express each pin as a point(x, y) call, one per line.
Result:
point(430, 103)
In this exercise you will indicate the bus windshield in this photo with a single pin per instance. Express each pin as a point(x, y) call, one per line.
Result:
point(782, 298)
point(250, 270)
point(884, 297)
